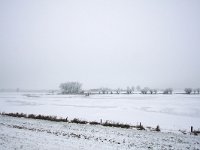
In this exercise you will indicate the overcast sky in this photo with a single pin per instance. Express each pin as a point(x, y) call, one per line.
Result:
point(112, 43)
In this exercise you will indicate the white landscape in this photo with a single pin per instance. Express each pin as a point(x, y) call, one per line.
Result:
point(99, 74)
point(171, 112)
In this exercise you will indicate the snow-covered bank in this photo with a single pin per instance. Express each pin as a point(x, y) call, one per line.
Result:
point(171, 112)
point(21, 133)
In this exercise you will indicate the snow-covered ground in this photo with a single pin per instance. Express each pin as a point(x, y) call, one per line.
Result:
point(21, 133)
point(171, 112)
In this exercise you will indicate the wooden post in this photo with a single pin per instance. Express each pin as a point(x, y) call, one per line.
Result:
point(191, 128)
point(140, 124)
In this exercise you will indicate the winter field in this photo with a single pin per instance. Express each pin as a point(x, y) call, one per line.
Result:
point(21, 133)
point(170, 112)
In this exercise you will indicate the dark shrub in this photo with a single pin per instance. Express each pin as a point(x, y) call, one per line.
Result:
point(157, 128)
point(94, 123)
point(75, 120)
point(113, 124)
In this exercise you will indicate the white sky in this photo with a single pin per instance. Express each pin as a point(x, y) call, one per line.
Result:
point(113, 43)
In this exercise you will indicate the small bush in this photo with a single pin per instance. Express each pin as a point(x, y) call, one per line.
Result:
point(113, 124)
point(31, 116)
point(62, 120)
point(94, 123)
point(157, 128)
point(75, 120)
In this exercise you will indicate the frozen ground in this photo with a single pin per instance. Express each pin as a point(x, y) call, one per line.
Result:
point(21, 133)
point(171, 112)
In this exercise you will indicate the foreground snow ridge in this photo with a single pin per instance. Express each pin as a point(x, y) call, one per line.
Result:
point(23, 133)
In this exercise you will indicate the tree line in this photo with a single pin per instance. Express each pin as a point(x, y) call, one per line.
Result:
point(76, 88)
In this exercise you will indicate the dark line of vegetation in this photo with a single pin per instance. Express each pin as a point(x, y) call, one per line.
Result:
point(77, 121)
point(116, 124)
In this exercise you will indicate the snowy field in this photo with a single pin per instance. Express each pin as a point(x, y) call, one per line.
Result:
point(171, 112)
point(21, 133)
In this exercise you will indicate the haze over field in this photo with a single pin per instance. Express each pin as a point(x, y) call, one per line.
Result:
point(99, 43)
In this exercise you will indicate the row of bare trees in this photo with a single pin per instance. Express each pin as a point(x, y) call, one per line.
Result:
point(76, 88)
point(190, 91)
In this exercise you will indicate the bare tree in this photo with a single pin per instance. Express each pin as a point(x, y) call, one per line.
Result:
point(198, 90)
point(71, 88)
point(132, 89)
point(145, 90)
point(118, 90)
point(194, 91)
point(188, 90)
point(104, 90)
point(128, 90)
point(138, 88)
point(155, 91)
point(151, 91)
point(168, 91)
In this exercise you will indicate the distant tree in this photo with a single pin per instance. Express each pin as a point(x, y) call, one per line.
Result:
point(188, 90)
point(168, 91)
point(132, 89)
point(87, 93)
point(71, 88)
point(128, 90)
point(151, 91)
point(155, 91)
point(198, 90)
point(105, 90)
point(194, 91)
point(138, 88)
point(145, 90)
point(118, 90)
